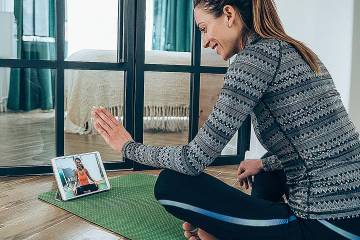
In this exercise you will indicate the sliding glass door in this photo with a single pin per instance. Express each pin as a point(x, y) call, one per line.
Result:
point(55, 64)
point(177, 81)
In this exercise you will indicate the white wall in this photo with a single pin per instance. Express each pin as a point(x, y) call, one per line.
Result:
point(355, 76)
point(326, 26)
point(6, 5)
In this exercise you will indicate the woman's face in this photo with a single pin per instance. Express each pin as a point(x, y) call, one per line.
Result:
point(223, 34)
point(79, 164)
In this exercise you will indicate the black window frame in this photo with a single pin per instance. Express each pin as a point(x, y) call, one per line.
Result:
point(132, 31)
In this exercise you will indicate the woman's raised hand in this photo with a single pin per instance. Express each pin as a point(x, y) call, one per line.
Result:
point(247, 169)
point(110, 129)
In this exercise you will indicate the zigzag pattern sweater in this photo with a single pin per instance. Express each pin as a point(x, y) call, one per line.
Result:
point(298, 117)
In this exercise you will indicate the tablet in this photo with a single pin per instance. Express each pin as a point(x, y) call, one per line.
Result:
point(80, 175)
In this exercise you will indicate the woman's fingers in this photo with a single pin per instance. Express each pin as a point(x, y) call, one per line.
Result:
point(243, 175)
point(246, 183)
point(241, 169)
point(102, 132)
point(110, 116)
point(99, 114)
point(249, 179)
point(103, 125)
point(244, 179)
point(105, 115)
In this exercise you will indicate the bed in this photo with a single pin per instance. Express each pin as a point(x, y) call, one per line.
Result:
point(166, 98)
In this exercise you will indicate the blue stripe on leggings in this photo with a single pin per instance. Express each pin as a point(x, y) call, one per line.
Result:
point(229, 219)
point(340, 231)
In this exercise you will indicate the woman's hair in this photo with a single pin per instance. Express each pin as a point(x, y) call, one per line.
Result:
point(261, 17)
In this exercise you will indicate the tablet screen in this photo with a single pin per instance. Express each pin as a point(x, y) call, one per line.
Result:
point(80, 175)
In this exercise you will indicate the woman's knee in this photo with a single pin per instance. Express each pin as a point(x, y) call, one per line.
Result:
point(167, 181)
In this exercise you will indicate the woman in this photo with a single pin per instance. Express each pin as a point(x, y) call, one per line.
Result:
point(82, 179)
point(313, 148)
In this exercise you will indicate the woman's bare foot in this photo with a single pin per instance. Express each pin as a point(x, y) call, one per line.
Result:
point(194, 234)
point(189, 231)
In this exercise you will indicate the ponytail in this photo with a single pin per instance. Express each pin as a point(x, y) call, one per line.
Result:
point(261, 17)
point(267, 24)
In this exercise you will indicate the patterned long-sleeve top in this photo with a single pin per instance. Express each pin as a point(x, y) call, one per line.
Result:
point(298, 116)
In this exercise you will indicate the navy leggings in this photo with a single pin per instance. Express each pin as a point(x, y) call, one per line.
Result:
point(228, 213)
point(90, 187)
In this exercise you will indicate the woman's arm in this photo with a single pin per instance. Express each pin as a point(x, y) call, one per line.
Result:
point(88, 174)
point(246, 80)
point(76, 178)
point(76, 182)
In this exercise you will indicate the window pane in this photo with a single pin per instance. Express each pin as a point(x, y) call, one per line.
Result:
point(168, 32)
point(210, 86)
point(92, 35)
point(83, 90)
point(166, 108)
point(28, 16)
point(41, 18)
point(27, 133)
point(27, 30)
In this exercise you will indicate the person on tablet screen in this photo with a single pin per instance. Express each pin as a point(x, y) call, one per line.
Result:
point(83, 178)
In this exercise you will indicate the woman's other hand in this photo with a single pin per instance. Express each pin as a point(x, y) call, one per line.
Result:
point(247, 169)
point(110, 129)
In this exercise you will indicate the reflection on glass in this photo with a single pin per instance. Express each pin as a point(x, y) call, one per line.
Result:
point(210, 87)
point(166, 108)
point(168, 32)
point(92, 35)
point(27, 29)
point(83, 90)
point(27, 133)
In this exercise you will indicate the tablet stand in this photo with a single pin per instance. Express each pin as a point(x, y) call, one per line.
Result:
point(58, 196)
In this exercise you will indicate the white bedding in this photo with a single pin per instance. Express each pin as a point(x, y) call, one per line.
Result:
point(166, 99)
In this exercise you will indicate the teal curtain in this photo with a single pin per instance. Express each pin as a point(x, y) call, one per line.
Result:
point(172, 28)
point(33, 88)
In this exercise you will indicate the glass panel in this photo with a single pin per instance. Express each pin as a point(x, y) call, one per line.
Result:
point(210, 86)
point(28, 13)
point(92, 35)
point(166, 108)
point(83, 90)
point(27, 29)
point(168, 32)
point(27, 133)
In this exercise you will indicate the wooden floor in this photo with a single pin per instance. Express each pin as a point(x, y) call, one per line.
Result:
point(23, 216)
point(29, 139)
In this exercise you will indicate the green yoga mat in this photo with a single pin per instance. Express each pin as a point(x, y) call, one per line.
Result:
point(128, 208)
